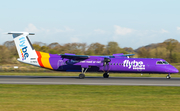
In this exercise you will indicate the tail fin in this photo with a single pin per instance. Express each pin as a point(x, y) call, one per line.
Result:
point(26, 52)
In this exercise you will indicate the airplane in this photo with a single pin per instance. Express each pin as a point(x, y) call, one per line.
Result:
point(120, 63)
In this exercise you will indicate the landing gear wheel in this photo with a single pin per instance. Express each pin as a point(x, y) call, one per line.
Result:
point(106, 75)
point(81, 76)
point(168, 77)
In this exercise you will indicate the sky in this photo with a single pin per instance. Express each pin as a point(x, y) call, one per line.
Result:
point(130, 23)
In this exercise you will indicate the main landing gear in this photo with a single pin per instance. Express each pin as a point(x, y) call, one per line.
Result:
point(82, 75)
point(168, 76)
point(106, 75)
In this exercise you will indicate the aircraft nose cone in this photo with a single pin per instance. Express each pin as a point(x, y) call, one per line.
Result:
point(172, 69)
point(176, 71)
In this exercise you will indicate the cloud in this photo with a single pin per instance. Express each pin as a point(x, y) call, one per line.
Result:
point(122, 30)
point(31, 28)
point(164, 31)
point(135, 38)
point(45, 30)
point(74, 39)
point(100, 31)
point(67, 29)
point(178, 28)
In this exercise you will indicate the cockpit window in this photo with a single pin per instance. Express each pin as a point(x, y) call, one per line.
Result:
point(165, 62)
point(159, 62)
point(162, 62)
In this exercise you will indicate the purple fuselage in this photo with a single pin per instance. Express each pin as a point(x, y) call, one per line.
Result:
point(116, 64)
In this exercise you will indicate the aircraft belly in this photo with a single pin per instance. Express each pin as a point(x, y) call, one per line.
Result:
point(77, 68)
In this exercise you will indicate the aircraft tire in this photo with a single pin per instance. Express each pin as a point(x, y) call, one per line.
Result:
point(168, 77)
point(81, 76)
point(106, 75)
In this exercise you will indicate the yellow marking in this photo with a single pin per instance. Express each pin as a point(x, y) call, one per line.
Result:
point(21, 50)
point(45, 60)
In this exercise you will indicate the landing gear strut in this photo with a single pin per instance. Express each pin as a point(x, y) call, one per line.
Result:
point(106, 75)
point(82, 75)
point(168, 76)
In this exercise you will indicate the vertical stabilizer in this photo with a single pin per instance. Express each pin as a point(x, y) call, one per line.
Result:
point(26, 52)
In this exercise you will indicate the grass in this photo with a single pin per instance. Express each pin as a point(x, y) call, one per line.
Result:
point(87, 74)
point(88, 98)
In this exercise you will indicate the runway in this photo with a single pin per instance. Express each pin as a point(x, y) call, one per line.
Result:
point(135, 81)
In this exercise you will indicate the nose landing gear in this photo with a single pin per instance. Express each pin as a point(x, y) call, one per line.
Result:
point(168, 76)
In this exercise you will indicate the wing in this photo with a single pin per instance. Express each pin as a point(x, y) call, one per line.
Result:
point(74, 57)
point(118, 56)
point(124, 55)
point(83, 57)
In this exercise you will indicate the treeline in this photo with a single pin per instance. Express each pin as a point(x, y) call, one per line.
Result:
point(8, 53)
point(168, 50)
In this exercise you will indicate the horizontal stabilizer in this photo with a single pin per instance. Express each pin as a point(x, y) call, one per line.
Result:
point(20, 33)
point(16, 34)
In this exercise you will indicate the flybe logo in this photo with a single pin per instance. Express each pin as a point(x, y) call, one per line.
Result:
point(23, 48)
point(134, 64)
